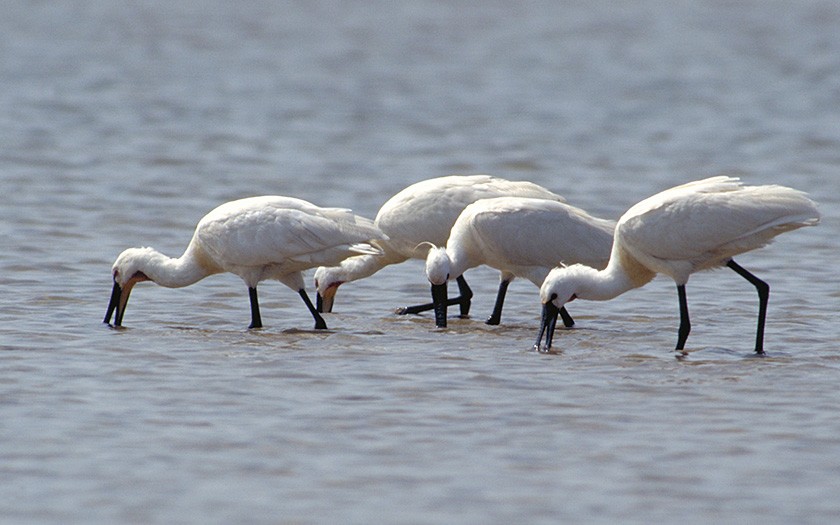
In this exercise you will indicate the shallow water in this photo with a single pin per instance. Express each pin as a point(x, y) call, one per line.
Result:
point(122, 125)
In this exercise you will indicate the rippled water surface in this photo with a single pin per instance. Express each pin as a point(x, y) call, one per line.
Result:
point(121, 124)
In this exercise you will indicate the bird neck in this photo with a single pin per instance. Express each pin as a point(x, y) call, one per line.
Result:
point(623, 273)
point(605, 285)
point(361, 266)
point(459, 262)
point(173, 272)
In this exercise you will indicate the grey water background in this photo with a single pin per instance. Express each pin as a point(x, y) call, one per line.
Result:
point(123, 123)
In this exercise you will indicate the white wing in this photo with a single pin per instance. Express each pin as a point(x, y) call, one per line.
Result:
point(538, 232)
point(709, 221)
point(426, 211)
point(269, 230)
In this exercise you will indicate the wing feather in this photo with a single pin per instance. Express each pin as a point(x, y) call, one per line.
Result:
point(538, 232)
point(267, 230)
point(713, 219)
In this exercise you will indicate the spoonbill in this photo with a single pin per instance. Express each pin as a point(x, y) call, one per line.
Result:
point(520, 237)
point(417, 217)
point(696, 226)
point(257, 238)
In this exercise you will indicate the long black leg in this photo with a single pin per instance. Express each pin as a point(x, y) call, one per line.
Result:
point(416, 309)
point(568, 322)
point(496, 317)
point(320, 324)
point(256, 320)
point(685, 323)
point(465, 297)
point(463, 300)
point(763, 295)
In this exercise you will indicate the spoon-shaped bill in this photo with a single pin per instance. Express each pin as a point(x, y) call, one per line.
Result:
point(116, 306)
point(547, 325)
point(439, 299)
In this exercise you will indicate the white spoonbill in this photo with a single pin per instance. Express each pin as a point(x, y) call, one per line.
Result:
point(686, 229)
point(421, 214)
point(521, 237)
point(257, 238)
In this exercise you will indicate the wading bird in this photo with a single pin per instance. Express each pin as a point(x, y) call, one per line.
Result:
point(417, 217)
point(520, 237)
point(257, 238)
point(686, 229)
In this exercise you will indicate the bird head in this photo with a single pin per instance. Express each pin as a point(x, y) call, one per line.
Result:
point(438, 266)
point(559, 288)
point(327, 281)
point(127, 271)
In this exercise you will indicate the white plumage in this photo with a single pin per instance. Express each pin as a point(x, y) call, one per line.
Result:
point(421, 214)
point(520, 237)
point(686, 229)
point(257, 238)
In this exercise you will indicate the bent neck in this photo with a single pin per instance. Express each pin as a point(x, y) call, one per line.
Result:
point(605, 284)
point(361, 266)
point(176, 273)
point(459, 261)
point(623, 273)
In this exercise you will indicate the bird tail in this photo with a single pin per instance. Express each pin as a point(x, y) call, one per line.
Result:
point(358, 228)
point(364, 248)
